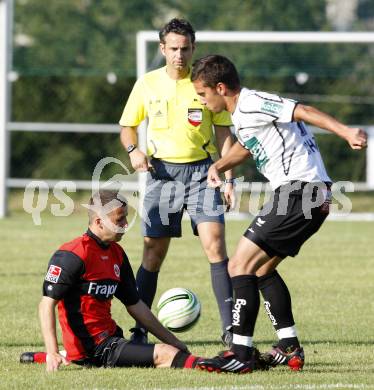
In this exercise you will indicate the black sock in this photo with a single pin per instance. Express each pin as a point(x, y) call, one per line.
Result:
point(222, 288)
point(277, 302)
point(288, 344)
point(245, 311)
point(147, 284)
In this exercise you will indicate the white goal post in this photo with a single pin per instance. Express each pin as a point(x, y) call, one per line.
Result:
point(6, 22)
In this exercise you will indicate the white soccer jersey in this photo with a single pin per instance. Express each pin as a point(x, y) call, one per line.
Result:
point(282, 149)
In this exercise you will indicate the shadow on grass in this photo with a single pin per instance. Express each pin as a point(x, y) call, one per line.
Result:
point(309, 344)
point(344, 370)
point(24, 344)
point(335, 342)
point(219, 343)
point(318, 367)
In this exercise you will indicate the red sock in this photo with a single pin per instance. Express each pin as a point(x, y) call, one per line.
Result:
point(184, 360)
point(190, 362)
point(40, 357)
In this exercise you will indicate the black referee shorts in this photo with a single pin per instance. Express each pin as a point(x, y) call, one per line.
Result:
point(295, 212)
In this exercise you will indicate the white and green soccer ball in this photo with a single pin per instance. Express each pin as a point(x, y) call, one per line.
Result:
point(178, 309)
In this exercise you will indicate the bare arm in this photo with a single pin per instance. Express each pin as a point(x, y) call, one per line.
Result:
point(138, 159)
point(224, 142)
point(141, 313)
point(236, 155)
point(356, 137)
point(47, 318)
point(129, 136)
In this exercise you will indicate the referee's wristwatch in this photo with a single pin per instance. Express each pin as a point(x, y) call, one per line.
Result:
point(230, 181)
point(131, 148)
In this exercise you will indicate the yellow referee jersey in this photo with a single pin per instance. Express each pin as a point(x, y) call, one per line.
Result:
point(179, 126)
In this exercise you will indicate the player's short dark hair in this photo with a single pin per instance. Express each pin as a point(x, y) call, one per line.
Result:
point(101, 198)
point(177, 26)
point(214, 69)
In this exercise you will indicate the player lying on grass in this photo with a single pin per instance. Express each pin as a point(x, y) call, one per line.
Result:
point(271, 130)
point(82, 278)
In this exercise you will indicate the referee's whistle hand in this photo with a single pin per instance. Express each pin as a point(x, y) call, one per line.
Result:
point(139, 161)
point(213, 178)
point(150, 167)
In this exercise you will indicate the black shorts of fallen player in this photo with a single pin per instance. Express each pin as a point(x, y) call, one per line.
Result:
point(116, 351)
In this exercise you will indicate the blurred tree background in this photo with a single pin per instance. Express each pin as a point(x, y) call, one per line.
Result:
point(75, 61)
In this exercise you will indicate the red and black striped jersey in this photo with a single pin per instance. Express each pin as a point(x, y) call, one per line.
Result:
point(84, 275)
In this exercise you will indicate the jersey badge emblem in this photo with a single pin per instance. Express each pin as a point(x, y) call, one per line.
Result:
point(53, 274)
point(195, 116)
point(117, 271)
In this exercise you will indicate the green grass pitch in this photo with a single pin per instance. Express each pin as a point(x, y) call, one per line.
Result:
point(331, 282)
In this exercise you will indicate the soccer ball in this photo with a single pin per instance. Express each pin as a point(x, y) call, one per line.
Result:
point(178, 309)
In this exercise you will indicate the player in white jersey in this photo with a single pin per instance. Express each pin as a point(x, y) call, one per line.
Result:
point(282, 149)
point(270, 129)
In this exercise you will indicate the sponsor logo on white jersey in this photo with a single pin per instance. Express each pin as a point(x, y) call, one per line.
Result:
point(272, 107)
point(258, 152)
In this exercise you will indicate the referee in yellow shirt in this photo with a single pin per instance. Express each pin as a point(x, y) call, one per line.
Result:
point(180, 141)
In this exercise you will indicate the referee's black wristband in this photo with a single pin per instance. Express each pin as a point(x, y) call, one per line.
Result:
point(230, 181)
